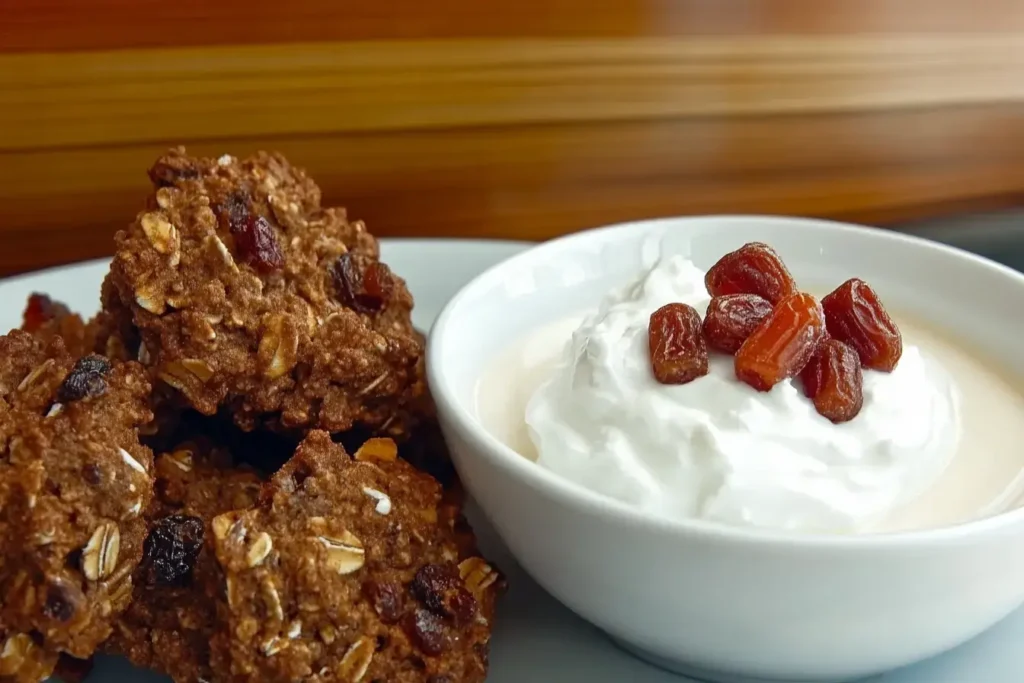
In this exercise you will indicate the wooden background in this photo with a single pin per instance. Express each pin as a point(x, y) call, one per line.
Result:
point(513, 118)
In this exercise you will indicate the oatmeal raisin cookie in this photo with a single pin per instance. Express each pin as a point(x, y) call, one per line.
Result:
point(351, 569)
point(249, 297)
point(74, 482)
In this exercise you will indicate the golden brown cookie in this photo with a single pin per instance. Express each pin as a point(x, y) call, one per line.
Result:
point(351, 569)
point(251, 298)
point(74, 482)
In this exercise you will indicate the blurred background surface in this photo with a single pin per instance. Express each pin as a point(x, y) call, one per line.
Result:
point(522, 119)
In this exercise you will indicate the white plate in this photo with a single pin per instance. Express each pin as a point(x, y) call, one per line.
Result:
point(536, 640)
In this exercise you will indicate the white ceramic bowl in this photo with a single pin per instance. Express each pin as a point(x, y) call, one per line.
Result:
point(732, 603)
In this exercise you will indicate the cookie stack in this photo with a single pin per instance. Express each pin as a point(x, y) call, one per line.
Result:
point(300, 520)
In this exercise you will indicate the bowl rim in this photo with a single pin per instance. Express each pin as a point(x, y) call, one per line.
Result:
point(553, 485)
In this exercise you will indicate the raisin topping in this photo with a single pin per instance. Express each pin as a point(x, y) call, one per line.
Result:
point(255, 240)
point(777, 332)
point(257, 244)
point(462, 607)
point(171, 550)
point(378, 285)
point(783, 344)
point(86, 379)
point(678, 351)
point(731, 318)
point(855, 315)
point(441, 590)
point(427, 632)
point(40, 310)
point(365, 290)
point(386, 599)
point(834, 381)
point(754, 268)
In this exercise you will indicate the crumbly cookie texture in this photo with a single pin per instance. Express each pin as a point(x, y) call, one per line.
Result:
point(249, 297)
point(45, 318)
point(172, 618)
point(74, 482)
point(352, 569)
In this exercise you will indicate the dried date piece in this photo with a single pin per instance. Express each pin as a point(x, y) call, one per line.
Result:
point(171, 550)
point(87, 379)
point(855, 315)
point(731, 318)
point(783, 344)
point(754, 268)
point(834, 381)
point(679, 353)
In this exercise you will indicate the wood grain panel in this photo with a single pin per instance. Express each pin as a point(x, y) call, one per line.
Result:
point(537, 181)
point(124, 97)
point(49, 25)
point(523, 120)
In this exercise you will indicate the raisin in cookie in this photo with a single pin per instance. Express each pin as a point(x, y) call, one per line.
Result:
point(351, 569)
point(45, 318)
point(172, 618)
point(74, 481)
point(249, 297)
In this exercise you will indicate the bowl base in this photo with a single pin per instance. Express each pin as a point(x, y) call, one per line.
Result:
point(710, 676)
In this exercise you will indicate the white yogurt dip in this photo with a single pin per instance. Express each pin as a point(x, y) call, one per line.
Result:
point(717, 449)
point(938, 441)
